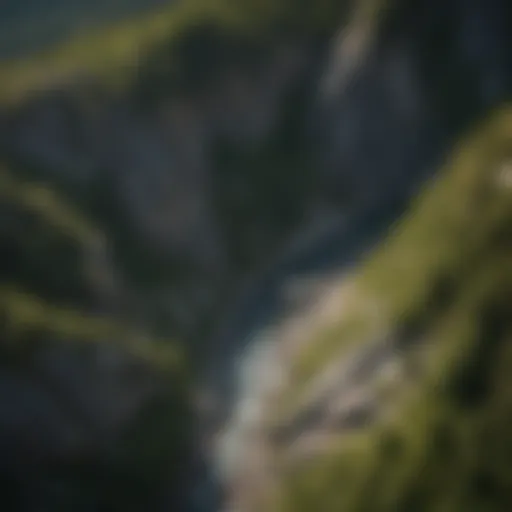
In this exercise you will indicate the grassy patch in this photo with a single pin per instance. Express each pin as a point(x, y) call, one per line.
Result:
point(43, 202)
point(58, 228)
point(27, 317)
point(113, 54)
point(448, 230)
point(449, 447)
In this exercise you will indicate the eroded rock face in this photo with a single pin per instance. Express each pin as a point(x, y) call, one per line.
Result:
point(434, 397)
point(77, 369)
point(158, 163)
point(145, 174)
point(198, 178)
point(390, 105)
point(393, 95)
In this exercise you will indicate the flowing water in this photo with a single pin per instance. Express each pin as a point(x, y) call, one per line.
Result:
point(248, 363)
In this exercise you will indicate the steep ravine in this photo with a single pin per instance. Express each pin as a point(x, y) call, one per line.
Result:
point(413, 330)
point(236, 383)
point(222, 144)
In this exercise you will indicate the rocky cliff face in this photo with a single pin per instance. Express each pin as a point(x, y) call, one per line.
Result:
point(400, 85)
point(223, 147)
point(167, 203)
point(389, 107)
point(76, 369)
point(392, 403)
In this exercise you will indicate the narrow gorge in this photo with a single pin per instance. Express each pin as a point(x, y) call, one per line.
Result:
point(257, 257)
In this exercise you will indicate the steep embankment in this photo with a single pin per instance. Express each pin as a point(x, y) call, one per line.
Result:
point(84, 387)
point(198, 139)
point(390, 106)
point(397, 396)
point(28, 25)
point(255, 341)
point(143, 163)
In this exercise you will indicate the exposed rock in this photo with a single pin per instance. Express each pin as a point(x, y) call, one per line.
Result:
point(228, 156)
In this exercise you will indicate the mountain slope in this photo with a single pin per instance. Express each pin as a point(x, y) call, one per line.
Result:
point(28, 25)
point(83, 387)
point(437, 438)
point(112, 54)
point(229, 127)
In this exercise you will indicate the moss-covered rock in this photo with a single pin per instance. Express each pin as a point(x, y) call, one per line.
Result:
point(117, 394)
point(443, 281)
point(114, 53)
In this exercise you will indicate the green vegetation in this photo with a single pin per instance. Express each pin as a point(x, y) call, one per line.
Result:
point(26, 25)
point(42, 202)
point(27, 317)
point(113, 54)
point(445, 274)
point(48, 248)
point(36, 211)
point(433, 248)
point(50, 298)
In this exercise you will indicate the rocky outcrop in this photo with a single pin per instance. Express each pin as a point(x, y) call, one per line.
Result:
point(145, 167)
point(447, 340)
point(76, 370)
point(376, 356)
point(156, 165)
point(389, 110)
point(221, 156)
point(401, 84)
